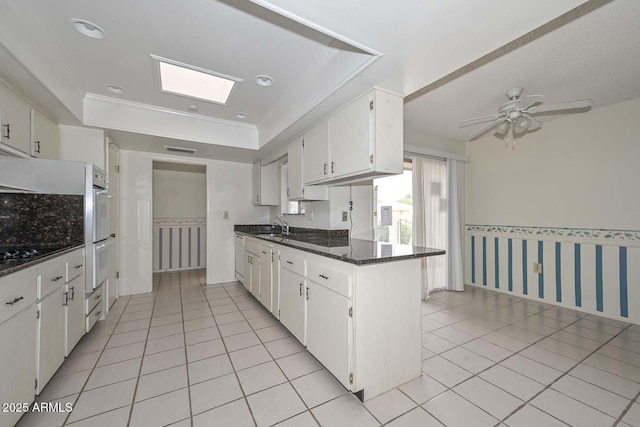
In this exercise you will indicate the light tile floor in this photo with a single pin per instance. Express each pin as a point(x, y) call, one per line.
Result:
point(191, 354)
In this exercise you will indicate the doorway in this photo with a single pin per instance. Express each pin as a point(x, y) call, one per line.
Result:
point(179, 217)
point(393, 214)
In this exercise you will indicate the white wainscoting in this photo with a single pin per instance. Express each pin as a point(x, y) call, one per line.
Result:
point(596, 271)
point(179, 243)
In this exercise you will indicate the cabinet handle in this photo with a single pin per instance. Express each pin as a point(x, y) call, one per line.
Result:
point(73, 293)
point(325, 168)
point(78, 266)
point(289, 262)
point(55, 279)
point(37, 150)
point(15, 300)
point(307, 293)
point(66, 299)
point(288, 192)
point(8, 135)
point(301, 285)
point(323, 276)
point(98, 313)
point(264, 252)
point(332, 165)
point(98, 296)
point(257, 199)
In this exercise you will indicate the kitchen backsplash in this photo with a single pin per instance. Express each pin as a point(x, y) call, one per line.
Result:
point(41, 220)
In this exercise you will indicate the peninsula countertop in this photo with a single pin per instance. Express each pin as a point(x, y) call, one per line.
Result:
point(354, 251)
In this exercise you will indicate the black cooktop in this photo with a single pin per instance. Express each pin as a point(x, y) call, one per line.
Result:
point(14, 256)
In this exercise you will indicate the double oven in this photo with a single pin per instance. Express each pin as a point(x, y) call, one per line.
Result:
point(98, 240)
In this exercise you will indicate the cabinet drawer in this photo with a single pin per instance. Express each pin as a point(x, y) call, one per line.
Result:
point(93, 300)
point(52, 276)
point(252, 246)
point(75, 266)
point(94, 315)
point(328, 277)
point(293, 262)
point(16, 296)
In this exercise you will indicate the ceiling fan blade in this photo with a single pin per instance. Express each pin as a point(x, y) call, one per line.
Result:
point(478, 120)
point(485, 129)
point(535, 124)
point(583, 103)
point(529, 101)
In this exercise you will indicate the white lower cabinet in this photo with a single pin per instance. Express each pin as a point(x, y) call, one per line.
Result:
point(292, 303)
point(266, 276)
point(50, 336)
point(74, 313)
point(18, 342)
point(328, 330)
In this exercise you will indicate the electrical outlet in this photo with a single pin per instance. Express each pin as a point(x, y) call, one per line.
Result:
point(537, 267)
point(225, 215)
point(345, 216)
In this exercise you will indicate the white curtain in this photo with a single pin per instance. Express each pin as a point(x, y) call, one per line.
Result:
point(430, 218)
point(455, 261)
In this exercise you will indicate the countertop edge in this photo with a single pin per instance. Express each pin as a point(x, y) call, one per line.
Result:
point(291, 244)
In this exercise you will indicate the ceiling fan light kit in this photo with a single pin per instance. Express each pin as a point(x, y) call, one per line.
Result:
point(515, 116)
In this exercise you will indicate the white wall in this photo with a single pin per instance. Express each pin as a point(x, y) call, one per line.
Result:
point(564, 191)
point(84, 145)
point(327, 214)
point(228, 188)
point(179, 194)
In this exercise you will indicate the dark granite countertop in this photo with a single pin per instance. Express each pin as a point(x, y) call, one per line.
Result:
point(354, 251)
point(17, 265)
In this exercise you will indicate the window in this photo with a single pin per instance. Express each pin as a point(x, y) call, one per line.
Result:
point(394, 207)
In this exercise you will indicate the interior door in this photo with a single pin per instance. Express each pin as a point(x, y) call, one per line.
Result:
point(113, 170)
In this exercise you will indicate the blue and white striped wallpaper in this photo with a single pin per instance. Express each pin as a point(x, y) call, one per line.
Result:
point(179, 244)
point(596, 271)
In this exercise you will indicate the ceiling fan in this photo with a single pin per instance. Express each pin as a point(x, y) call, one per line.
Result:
point(515, 116)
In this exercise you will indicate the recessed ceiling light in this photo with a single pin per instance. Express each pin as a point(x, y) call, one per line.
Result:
point(263, 80)
point(88, 29)
point(241, 115)
point(195, 82)
point(180, 149)
point(115, 89)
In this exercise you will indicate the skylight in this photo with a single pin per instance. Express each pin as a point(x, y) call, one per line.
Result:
point(194, 82)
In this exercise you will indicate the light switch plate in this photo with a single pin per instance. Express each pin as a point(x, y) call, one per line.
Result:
point(345, 216)
point(537, 267)
point(225, 215)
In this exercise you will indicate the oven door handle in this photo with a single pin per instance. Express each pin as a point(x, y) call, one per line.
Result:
point(104, 245)
point(105, 193)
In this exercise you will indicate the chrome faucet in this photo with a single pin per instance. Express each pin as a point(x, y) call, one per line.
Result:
point(284, 225)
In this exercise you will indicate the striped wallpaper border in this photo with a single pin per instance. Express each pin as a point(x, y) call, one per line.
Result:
point(571, 272)
point(606, 236)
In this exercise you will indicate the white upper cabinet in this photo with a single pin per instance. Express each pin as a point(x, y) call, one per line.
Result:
point(316, 153)
point(266, 184)
point(362, 140)
point(15, 117)
point(296, 173)
point(44, 137)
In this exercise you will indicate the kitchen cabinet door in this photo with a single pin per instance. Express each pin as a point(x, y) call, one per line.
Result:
point(297, 189)
point(350, 137)
point(74, 313)
point(44, 137)
point(266, 184)
point(315, 157)
point(328, 336)
point(292, 303)
point(295, 186)
point(255, 276)
point(266, 276)
point(18, 355)
point(247, 270)
point(15, 117)
point(50, 336)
